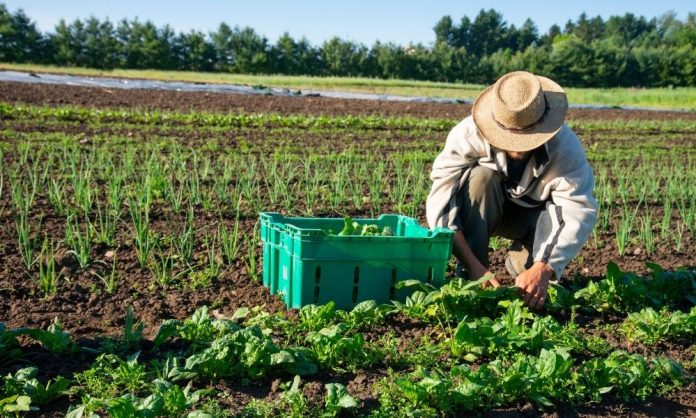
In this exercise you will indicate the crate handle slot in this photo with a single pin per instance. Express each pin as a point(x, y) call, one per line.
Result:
point(430, 275)
point(317, 281)
point(392, 287)
point(356, 280)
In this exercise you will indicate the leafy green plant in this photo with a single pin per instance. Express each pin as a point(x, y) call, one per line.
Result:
point(364, 315)
point(629, 376)
point(453, 301)
point(337, 400)
point(24, 382)
point(110, 376)
point(175, 400)
point(54, 339)
point(291, 403)
point(517, 330)
point(624, 291)
point(335, 349)
point(15, 404)
point(351, 227)
point(200, 330)
point(247, 353)
point(9, 346)
point(650, 327)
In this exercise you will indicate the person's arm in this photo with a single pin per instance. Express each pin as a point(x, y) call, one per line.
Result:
point(472, 264)
point(573, 213)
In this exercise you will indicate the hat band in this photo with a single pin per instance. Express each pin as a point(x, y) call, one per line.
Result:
point(524, 128)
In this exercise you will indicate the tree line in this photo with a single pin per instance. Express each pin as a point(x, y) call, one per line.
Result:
point(624, 50)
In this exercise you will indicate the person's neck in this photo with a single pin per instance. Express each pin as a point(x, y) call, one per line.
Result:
point(513, 155)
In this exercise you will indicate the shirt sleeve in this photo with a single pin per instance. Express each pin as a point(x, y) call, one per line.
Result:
point(462, 150)
point(573, 213)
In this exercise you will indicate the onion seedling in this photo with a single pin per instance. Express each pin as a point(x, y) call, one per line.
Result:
point(646, 233)
point(80, 242)
point(48, 276)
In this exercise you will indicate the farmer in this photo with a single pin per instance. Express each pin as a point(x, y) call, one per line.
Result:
point(515, 169)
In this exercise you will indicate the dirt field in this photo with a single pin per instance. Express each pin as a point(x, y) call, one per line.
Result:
point(89, 315)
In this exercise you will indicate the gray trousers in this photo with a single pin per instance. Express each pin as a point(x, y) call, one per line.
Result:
point(485, 210)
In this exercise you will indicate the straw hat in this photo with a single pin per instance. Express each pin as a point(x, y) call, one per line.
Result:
point(520, 111)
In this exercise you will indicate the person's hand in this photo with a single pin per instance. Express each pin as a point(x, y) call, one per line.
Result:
point(533, 284)
point(492, 281)
point(481, 271)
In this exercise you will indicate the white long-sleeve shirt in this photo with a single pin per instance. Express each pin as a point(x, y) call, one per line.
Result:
point(559, 178)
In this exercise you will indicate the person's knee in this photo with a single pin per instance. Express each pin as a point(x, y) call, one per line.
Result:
point(483, 182)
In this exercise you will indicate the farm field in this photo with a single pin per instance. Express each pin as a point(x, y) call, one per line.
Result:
point(130, 265)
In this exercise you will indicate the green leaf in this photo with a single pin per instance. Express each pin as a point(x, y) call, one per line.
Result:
point(347, 226)
point(17, 403)
point(199, 414)
point(282, 357)
point(542, 400)
point(486, 277)
point(240, 313)
point(337, 397)
point(408, 283)
point(168, 328)
point(364, 306)
point(470, 357)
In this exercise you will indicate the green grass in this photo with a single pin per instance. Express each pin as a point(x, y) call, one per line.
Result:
point(663, 98)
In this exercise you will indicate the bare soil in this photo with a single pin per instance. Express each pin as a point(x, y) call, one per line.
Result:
point(57, 95)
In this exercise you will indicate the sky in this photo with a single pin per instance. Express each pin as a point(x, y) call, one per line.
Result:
point(363, 21)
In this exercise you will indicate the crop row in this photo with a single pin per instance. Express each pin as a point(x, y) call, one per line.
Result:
point(489, 350)
point(203, 119)
point(99, 197)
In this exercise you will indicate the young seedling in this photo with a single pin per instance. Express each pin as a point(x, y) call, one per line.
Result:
point(174, 194)
point(251, 262)
point(48, 276)
point(27, 245)
point(132, 330)
point(163, 269)
point(78, 240)
point(186, 240)
point(145, 239)
point(114, 194)
point(229, 240)
point(214, 267)
point(110, 280)
point(310, 184)
point(56, 195)
point(104, 228)
point(678, 236)
point(666, 223)
point(625, 228)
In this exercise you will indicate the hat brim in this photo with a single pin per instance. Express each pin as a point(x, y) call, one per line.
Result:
point(523, 139)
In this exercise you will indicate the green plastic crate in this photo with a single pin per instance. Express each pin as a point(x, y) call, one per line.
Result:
point(305, 265)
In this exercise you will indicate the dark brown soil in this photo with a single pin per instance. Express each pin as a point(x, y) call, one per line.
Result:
point(90, 314)
point(56, 95)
